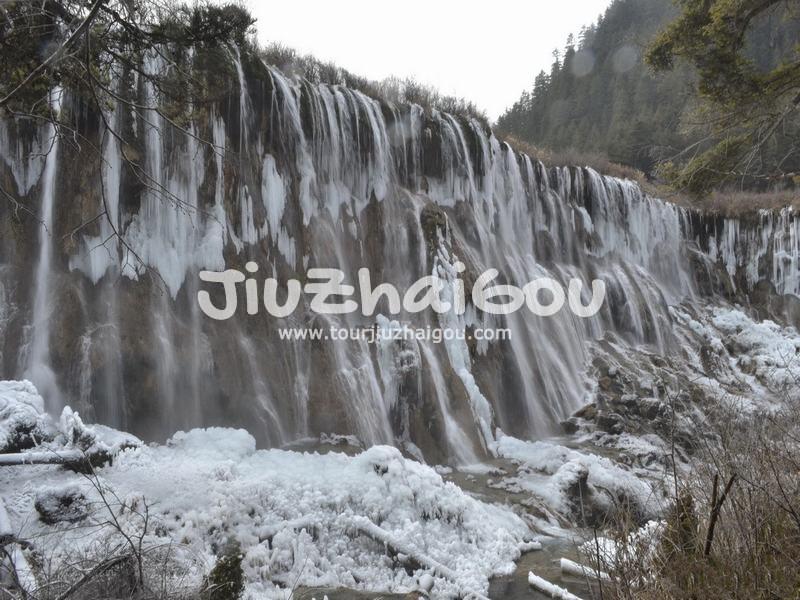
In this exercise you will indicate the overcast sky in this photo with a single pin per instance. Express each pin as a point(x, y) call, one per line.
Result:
point(486, 51)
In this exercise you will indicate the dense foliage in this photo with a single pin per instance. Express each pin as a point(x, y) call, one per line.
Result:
point(81, 46)
point(747, 57)
point(600, 96)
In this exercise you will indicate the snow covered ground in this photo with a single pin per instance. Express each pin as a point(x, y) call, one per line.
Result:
point(760, 357)
point(300, 518)
point(567, 484)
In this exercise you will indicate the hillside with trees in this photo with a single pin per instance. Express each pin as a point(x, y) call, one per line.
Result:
point(609, 93)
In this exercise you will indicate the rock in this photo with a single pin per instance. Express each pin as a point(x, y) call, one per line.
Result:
point(650, 408)
point(647, 384)
point(67, 505)
point(588, 412)
point(711, 277)
point(17, 436)
point(226, 579)
point(570, 426)
point(629, 401)
point(23, 421)
point(433, 221)
point(610, 423)
point(711, 361)
point(609, 385)
point(425, 583)
point(636, 406)
point(574, 484)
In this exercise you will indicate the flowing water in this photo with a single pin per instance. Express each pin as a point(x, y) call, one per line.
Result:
point(38, 367)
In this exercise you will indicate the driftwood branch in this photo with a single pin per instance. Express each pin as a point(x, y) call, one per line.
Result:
point(574, 569)
point(369, 529)
point(716, 506)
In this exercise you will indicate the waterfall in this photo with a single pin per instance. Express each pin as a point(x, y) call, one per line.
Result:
point(745, 248)
point(292, 175)
point(38, 366)
point(460, 445)
point(100, 255)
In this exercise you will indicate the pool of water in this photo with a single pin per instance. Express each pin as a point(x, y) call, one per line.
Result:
point(546, 564)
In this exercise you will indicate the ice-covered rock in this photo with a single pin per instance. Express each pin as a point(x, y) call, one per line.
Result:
point(574, 485)
point(61, 505)
point(23, 421)
point(93, 439)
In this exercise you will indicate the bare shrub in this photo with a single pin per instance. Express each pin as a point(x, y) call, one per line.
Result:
point(733, 530)
point(123, 557)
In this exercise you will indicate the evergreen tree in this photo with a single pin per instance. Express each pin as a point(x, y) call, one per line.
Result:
point(747, 57)
point(644, 118)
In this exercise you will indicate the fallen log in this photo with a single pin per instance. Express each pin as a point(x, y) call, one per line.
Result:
point(42, 458)
point(574, 569)
point(549, 589)
point(368, 528)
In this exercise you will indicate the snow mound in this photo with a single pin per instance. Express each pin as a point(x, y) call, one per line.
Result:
point(23, 422)
point(563, 478)
point(59, 505)
point(25, 427)
point(375, 521)
point(766, 350)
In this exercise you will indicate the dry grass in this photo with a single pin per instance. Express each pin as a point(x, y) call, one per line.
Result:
point(751, 549)
point(123, 559)
point(735, 203)
point(595, 160)
point(729, 203)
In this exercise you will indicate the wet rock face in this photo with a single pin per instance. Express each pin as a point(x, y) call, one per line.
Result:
point(651, 411)
point(322, 176)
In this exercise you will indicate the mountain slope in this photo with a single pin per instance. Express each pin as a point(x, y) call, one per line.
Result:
point(600, 96)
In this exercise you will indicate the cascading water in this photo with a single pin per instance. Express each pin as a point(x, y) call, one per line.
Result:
point(98, 256)
point(291, 176)
point(38, 366)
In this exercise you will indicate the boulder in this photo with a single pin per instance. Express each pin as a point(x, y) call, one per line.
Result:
point(65, 505)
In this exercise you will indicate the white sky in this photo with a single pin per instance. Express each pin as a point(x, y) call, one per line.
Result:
point(486, 51)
